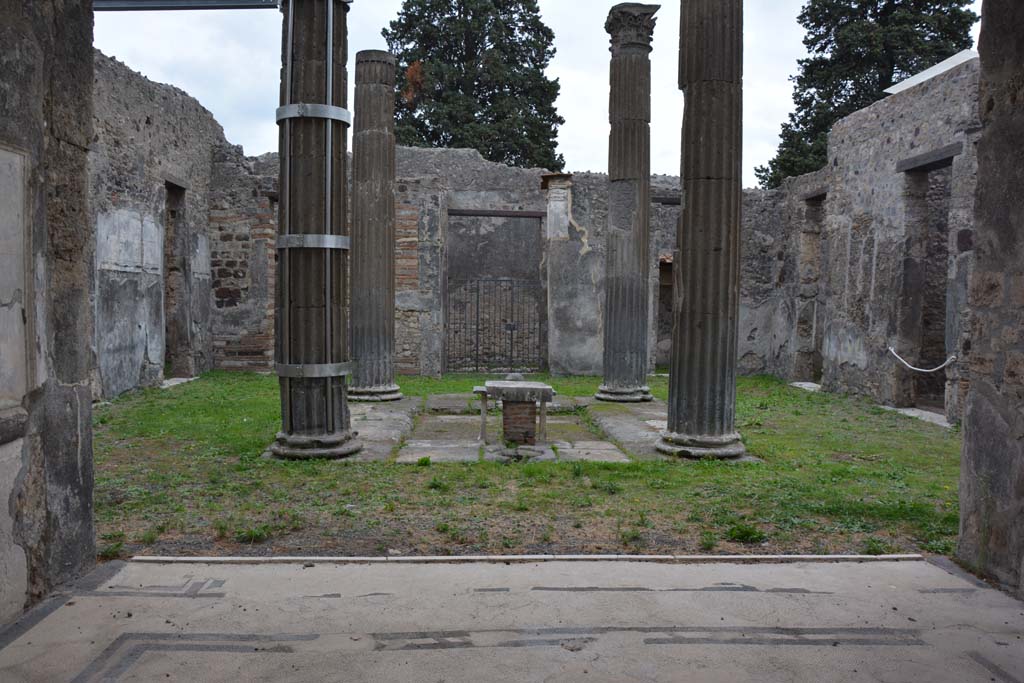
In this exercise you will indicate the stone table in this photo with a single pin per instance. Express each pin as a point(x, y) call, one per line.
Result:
point(519, 401)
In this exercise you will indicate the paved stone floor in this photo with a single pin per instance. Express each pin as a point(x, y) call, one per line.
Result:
point(545, 621)
point(453, 438)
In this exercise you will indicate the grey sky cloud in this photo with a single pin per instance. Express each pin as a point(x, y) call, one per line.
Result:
point(230, 62)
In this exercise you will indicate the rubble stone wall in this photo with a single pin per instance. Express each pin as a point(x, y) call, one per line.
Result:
point(47, 251)
point(875, 228)
point(152, 150)
point(992, 465)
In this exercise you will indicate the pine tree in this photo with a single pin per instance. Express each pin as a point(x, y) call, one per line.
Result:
point(472, 75)
point(858, 49)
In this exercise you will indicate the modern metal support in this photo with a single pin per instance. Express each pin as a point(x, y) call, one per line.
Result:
point(311, 346)
point(150, 5)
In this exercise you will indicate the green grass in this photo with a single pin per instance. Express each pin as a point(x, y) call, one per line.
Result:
point(179, 471)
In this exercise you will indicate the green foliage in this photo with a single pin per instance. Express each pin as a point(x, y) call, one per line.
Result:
point(745, 533)
point(877, 546)
point(708, 541)
point(472, 75)
point(257, 533)
point(858, 49)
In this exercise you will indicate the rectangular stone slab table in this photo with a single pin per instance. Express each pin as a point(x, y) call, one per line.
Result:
point(517, 398)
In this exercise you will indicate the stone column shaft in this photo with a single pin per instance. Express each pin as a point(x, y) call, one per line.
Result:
point(373, 229)
point(702, 390)
point(626, 315)
point(311, 349)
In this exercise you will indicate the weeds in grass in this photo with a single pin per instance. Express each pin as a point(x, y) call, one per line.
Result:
point(877, 546)
point(631, 537)
point(607, 486)
point(423, 462)
point(745, 533)
point(253, 534)
point(111, 551)
point(438, 484)
point(708, 541)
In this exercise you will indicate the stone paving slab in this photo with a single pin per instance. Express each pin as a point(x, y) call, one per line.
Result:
point(535, 621)
point(636, 426)
point(453, 404)
point(439, 452)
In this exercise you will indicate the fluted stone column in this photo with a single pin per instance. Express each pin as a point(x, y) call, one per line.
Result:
point(702, 388)
point(311, 346)
point(373, 229)
point(626, 315)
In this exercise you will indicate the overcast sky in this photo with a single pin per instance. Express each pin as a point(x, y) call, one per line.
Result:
point(230, 61)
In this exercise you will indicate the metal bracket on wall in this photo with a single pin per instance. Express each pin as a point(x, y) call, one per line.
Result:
point(300, 241)
point(314, 371)
point(314, 111)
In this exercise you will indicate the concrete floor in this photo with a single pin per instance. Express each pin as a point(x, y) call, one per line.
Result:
point(564, 621)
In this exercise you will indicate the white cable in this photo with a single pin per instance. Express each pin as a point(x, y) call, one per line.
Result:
point(949, 361)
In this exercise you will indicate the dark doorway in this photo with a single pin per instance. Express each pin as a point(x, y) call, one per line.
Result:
point(177, 358)
point(663, 355)
point(927, 292)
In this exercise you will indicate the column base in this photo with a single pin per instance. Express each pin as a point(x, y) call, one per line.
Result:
point(326, 447)
point(624, 395)
point(388, 392)
point(728, 447)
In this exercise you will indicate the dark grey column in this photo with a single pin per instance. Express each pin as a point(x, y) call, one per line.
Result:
point(631, 26)
point(373, 229)
point(311, 346)
point(702, 389)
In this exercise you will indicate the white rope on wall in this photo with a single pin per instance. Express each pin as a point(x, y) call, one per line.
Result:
point(949, 361)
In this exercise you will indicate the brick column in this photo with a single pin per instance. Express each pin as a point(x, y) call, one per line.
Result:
point(702, 388)
point(626, 313)
point(373, 229)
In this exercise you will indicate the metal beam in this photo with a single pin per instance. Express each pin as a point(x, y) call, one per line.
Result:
point(146, 5)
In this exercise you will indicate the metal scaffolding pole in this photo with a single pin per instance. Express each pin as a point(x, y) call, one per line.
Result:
point(311, 346)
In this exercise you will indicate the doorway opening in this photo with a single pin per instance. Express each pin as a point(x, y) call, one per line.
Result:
point(177, 358)
point(927, 287)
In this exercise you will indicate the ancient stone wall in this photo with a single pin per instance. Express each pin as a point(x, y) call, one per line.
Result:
point(150, 168)
point(876, 233)
point(243, 266)
point(992, 466)
point(47, 247)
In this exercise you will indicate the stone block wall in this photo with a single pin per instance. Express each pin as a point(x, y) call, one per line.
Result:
point(876, 228)
point(150, 170)
point(992, 465)
point(47, 251)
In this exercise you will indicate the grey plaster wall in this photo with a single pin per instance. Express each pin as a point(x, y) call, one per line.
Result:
point(153, 286)
point(992, 466)
point(875, 260)
point(47, 251)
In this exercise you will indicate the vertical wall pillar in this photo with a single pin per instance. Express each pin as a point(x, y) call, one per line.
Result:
point(311, 346)
point(626, 314)
point(373, 229)
point(702, 388)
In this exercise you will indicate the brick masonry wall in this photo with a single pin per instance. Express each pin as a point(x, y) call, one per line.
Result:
point(243, 225)
point(519, 422)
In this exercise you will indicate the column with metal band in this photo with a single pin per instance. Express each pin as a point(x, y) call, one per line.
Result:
point(627, 266)
point(706, 268)
point(373, 229)
point(311, 327)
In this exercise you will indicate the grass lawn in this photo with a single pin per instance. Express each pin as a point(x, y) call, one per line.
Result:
point(179, 472)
